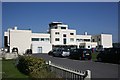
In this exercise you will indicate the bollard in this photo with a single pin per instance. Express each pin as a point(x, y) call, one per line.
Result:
point(49, 62)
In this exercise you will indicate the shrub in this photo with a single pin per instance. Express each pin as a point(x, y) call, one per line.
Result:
point(34, 67)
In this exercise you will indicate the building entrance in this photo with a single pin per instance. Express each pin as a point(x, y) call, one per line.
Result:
point(39, 50)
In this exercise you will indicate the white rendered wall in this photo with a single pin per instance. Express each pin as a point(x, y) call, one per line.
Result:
point(106, 40)
point(83, 43)
point(62, 25)
point(40, 35)
point(86, 44)
point(93, 44)
point(20, 39)
point(46, 47)
point(60, 36)
point(83, 37)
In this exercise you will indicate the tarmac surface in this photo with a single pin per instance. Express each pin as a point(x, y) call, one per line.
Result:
point(99, 70)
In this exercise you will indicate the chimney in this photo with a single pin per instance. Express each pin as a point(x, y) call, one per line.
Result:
point(85, 33)
point(15, 28)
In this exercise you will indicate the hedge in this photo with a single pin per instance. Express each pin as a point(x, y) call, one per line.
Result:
point(34, 67)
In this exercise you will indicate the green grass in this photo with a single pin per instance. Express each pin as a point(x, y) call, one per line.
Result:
point(10, 71)
point(94, 55)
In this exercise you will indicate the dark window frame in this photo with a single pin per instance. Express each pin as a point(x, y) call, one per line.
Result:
point(57, 33)
point(42, 39)
point(99, 39)
point(64, 35)
point(63, 27)
point(35, 39)
point(46, 39)
point(71, 39)
point(57, 39)
point(71, 33)
point(93, 40)
point(86, 39)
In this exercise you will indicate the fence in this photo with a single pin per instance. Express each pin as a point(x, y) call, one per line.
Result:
point(69, 74)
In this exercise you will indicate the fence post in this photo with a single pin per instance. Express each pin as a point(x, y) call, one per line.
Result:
point(88, 77)
point(49, 62)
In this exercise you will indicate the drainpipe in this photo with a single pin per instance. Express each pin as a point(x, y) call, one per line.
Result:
point(9, 41)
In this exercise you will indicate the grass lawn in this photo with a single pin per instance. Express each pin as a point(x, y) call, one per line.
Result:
point(94, 55)
point(10, 71)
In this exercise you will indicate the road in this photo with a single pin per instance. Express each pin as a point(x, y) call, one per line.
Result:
point(98, 69)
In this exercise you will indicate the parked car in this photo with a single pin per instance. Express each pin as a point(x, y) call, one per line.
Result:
point(50, 52)
point(81, 54)
point(28, 51)
point(59, 52)
point(110, 55)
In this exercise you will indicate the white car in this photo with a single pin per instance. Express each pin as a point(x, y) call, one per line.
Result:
point(66, 53)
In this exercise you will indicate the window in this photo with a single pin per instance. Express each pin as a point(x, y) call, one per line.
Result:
point(81, 46)
point(86, 39)
point(88, 46)
point(57, 33)
point(77, 40)
point(81, 39)
point(64, 41)
point(93, 40)
point(71, 33)
point(64, 35)
point(5, 41)
point(35, 39)
point(55, 27)
point(57, 39)
point(42, 39)
point(46, 39)
point(63, 27)
point(99, 39)
point(71, 39)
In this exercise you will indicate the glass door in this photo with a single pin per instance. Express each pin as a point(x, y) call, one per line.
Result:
point(39, 49)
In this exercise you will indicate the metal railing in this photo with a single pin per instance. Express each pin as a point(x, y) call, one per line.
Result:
point(69, 74)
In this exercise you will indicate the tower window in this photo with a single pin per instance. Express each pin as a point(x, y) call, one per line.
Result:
point(71, 33)
point(71, 39)
point(57, 33)
point(64, 35)
point(63, 27)
point(57, 39)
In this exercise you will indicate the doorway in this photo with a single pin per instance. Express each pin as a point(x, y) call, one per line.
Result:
point(64, 41)
point(39, 50)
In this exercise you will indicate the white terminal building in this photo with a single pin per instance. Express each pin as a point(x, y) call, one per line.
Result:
point(59, 35)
